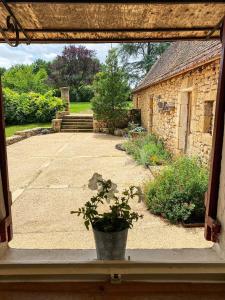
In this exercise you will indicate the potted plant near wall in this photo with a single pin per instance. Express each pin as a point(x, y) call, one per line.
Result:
point(136, 131)
point(110, 225)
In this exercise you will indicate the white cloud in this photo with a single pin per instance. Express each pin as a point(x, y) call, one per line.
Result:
point(26, 54)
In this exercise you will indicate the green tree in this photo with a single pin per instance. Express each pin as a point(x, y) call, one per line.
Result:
point(75, 67)
point(2, 71)
point(23, 79)
point(138, 58)
point(41, 64)
point(111, 92)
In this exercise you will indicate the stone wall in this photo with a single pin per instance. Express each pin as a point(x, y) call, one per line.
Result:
point(189, 94)
point(24, 134)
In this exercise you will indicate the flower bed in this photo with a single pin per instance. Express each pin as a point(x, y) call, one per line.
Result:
point(147, 149)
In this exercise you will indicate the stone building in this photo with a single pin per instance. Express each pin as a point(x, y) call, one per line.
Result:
point(177, 97)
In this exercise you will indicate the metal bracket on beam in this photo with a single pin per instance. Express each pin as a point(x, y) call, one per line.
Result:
point(14, 26)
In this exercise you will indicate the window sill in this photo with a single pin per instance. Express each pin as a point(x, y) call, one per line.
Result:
point(184, 265)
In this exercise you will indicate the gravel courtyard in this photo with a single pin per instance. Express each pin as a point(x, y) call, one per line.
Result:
point(48, 177)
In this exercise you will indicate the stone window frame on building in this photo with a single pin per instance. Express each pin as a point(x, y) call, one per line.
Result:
point(150, 111)
point(138, 101)
point(208, 116)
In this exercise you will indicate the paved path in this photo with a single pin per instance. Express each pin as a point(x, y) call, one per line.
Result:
point(48, 178)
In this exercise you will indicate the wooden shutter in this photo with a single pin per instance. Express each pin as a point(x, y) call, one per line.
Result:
point(212, 226)
point(6, 222)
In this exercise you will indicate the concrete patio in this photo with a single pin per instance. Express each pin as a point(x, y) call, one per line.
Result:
point(48, 178)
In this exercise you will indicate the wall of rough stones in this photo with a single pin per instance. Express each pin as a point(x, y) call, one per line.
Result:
point(24, 134)
point(170, 122)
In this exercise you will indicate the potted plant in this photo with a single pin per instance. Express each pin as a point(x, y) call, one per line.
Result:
point(137, 132)
point(110, 227)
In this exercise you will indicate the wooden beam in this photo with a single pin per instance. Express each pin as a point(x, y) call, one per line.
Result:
point(125, 290)
point(114, 2)
point(109, 40)
point(127, 29)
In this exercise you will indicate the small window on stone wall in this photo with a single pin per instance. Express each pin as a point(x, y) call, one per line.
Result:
point(208, 117)
point(137, 102)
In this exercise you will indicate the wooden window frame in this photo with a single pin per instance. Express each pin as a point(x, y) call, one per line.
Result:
point(5, 224)
point(212, 225)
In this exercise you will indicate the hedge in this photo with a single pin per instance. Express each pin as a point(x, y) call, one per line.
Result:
point(24, 108)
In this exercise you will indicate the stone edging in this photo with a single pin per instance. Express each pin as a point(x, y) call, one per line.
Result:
point(24, 134)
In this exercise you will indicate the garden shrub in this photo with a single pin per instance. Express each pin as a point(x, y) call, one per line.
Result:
point(30, 107)
point(148, 150)
point(111, 93)
point(177, 193)
point(82, 93)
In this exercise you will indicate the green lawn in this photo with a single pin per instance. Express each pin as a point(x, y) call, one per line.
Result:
point(10, 130)
point(85, 107)
point(80, 107)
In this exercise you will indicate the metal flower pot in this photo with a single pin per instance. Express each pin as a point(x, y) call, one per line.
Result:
point(110, 245)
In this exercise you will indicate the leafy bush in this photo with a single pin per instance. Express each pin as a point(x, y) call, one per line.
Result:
point(178, 191)
point(148, 150)
point(132, 125)
point(111, 93)
point(30, 107)
point(138, 129)
point(83, 93)
point(26, 78)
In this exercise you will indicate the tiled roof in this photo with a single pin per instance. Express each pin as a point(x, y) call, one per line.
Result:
point(180, 57)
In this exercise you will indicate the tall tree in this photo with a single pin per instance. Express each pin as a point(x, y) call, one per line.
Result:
point(41, 64)
point(111, 92)
point(138, 58)
point(2, 71)
point(76, 67)
point(21, 78)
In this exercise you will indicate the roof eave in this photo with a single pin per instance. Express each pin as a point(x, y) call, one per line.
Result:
point(176, 74)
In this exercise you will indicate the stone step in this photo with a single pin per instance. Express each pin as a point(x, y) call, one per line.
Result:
point(77, 122)
point(76, 130)
point(82, 123)
point(77, 118)
point(63, 126)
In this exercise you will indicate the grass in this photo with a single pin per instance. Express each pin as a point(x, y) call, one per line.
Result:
point(11, 130)
point(85, 107)
point(75, 107)
point(80, 107)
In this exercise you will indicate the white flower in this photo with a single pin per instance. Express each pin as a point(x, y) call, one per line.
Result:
point(94, 181)
point(114, 188)
point(112, 191)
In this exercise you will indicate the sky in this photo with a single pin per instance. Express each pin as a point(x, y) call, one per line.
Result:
point(24, 54)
